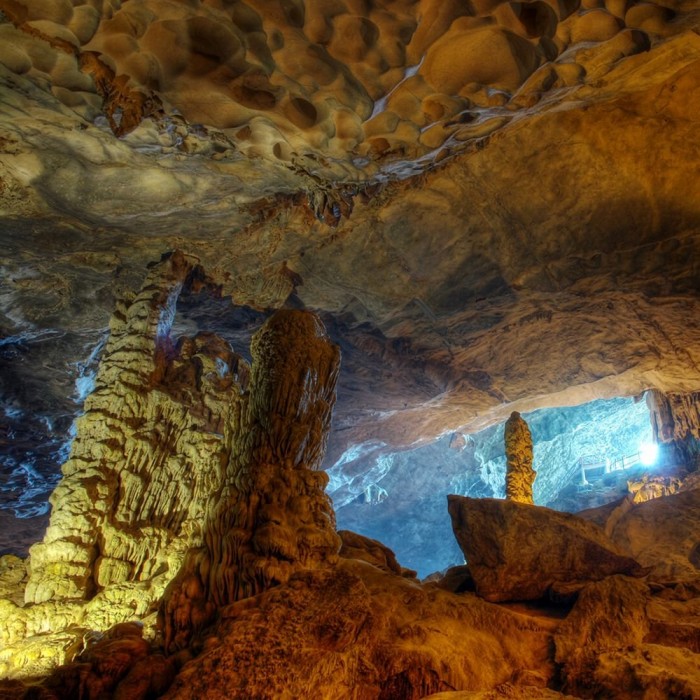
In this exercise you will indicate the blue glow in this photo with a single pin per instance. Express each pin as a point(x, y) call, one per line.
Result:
point(648, 453)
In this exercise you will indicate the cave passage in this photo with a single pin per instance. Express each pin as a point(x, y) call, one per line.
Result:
point(400, 498)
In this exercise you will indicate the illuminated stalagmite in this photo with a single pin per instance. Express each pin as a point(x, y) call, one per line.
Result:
point(181, 446)
point(272, 517)
point(519, 472)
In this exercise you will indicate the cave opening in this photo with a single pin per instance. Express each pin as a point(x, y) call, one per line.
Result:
point(584, 457)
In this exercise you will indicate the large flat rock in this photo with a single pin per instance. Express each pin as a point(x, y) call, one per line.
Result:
point(518, 551)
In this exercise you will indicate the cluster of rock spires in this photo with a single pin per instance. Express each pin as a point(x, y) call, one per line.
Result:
point(192, 552)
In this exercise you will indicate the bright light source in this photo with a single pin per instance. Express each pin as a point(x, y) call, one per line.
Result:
point(648, 452)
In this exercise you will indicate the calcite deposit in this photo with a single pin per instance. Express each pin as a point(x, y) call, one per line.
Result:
point(188, 461)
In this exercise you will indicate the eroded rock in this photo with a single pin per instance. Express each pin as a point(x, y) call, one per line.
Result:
point(356, 631)
point(662, 534)
point(517, 551)
point(607, 647)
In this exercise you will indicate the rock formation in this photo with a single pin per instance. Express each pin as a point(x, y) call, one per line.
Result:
point(676, 422)
point(524, 552)
point(537, 204)
point(357, 631)
point(478, 236)
point(183, 449)
point(358, 627)
point(519, 472)
point(615, 642)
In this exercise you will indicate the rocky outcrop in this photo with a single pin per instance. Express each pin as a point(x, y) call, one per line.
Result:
point(519, 472)
point(653, 486)
point(447, 259)
point(606, 646)
point(356, 631)
point(182, 448)
point(366, 549)
point(517, 551)
point(662, 534)
point(675, 419)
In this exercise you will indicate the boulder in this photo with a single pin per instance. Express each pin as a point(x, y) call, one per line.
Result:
point(518, 551)
point(620, 641)
point(356, 546)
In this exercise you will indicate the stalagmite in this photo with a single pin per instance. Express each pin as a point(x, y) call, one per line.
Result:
point(273, 517)
point(181, 448)
point(519, 472)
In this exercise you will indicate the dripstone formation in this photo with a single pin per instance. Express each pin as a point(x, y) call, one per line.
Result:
point(478, 236)
point(185, 453)
point(519, 472)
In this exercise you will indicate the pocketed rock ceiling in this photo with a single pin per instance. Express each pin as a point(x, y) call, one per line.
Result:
point(493, 206)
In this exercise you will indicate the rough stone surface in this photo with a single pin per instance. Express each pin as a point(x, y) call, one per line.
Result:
point(365, 549)
point(662, 534)
point(517, 551)
point(519, 472)
point(477, 236)
point(606, 647)
point(356, 631)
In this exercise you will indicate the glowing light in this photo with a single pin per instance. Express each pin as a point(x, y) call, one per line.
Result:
point(648, 453)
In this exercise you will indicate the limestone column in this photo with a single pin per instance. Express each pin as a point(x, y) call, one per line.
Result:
point(273, 517)
point(519, 472)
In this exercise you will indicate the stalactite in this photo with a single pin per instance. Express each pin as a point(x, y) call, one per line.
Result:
point(675, 420)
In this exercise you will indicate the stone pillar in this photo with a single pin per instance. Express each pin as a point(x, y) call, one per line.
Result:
point(192, 475)
point(519, 472)
point(274, 517)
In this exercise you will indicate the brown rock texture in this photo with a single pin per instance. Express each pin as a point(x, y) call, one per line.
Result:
point(366, 549)
point(519, 472)
point(272, 517)
point(663, 534)
point(559, 214)
point(607, 649)
point(675, 419)
point(354, 631)
point(517, 551)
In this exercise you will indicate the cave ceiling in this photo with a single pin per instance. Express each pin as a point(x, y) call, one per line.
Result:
point(493, 206)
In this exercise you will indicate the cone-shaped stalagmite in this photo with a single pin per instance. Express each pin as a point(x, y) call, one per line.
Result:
point(519, 472)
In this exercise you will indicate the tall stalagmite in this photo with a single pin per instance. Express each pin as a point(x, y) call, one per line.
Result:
point(181, 446)
point(519, 472)
point(273, 516)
